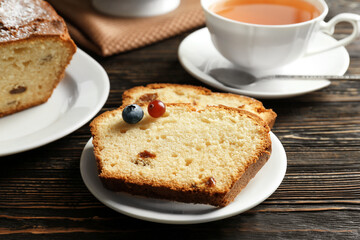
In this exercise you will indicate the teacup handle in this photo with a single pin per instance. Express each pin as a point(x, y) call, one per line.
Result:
point(329, 28)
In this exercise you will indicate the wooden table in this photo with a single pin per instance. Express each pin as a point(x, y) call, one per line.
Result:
point(42, 195)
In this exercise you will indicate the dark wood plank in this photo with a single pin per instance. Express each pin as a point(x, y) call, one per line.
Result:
point(42, 195)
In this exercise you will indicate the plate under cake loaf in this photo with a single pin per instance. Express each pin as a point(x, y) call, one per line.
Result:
point(35, 49)
point(195, 156)
point(198, 96)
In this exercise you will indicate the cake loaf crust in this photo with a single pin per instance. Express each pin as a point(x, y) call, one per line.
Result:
point(35, 49)
point(22, 19)
point(193, 155)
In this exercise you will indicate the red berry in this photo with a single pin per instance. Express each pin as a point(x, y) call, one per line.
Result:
point(156, 108)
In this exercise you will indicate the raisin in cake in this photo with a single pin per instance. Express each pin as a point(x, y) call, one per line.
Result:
point(196, 156)
point(35, 49)
point(198, 96)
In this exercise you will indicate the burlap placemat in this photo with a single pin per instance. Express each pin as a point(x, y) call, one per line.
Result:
point(107, 35)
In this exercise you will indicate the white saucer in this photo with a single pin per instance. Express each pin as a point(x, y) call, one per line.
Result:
point(77, 98)
point(198, 56)
point(259, 188)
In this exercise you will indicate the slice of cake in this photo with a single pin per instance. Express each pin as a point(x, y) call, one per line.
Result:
point(196, 156)
point(198, 96)
point(35, 49)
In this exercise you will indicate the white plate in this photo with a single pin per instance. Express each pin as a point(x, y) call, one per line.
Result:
point(77, 98)
point(259, 188)
point(198, 56)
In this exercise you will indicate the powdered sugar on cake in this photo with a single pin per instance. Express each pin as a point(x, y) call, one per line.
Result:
point(22, 18)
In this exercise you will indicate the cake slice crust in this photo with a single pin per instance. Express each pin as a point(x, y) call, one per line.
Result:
point(199, 97)
point(188, 155)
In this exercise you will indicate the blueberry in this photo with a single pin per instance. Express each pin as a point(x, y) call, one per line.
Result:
point(132, 113)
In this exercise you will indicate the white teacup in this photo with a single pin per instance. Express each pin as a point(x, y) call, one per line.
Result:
point(254, 47)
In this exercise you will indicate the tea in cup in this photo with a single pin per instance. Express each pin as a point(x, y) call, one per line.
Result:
point(258, 35)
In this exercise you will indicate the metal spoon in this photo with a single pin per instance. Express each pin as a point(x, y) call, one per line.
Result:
point(236, 78)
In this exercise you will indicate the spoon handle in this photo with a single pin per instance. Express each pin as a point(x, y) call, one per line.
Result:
point(311, 77)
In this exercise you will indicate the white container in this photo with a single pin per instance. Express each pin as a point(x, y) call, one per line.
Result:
point(254, 47)
point(135, 8)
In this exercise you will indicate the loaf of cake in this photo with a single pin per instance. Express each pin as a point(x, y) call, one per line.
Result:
point(35, 49)
point(188, 155)
point(198, 96)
